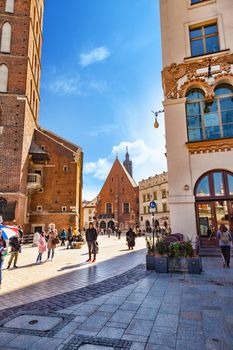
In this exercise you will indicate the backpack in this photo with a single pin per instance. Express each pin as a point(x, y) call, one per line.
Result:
point(224, 237)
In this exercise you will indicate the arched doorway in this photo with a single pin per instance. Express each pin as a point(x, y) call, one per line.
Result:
point(111, 224)
point(214, 204)
point(103, 224)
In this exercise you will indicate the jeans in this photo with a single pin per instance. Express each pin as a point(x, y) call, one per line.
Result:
point(1, 264)
point(14, 255)
point(49, 251)
point(39, 258)
point(63, 241)
point(91, 248)
point(226, 252)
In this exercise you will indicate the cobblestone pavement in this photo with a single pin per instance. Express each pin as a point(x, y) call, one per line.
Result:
point(134, 310)
point(68, 271)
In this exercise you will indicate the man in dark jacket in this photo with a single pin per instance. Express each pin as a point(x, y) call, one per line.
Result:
point(91, 237)
point(15, 248)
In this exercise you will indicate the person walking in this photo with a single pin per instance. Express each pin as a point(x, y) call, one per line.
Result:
point(15, 249)
point(91, 238)
point(52, 243)
point(42, 247)
point(119, 233)
point(130, 238)
point(225, 240)
point(63, 237)
point(3, 250)
point(70, 238)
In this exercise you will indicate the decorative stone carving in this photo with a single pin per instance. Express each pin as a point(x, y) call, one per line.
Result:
point(210, 146)
point(174, 72)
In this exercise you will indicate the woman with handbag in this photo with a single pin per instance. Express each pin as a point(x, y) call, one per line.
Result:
point(52, 242)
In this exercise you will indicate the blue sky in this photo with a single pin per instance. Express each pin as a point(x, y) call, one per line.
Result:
point(101, 77)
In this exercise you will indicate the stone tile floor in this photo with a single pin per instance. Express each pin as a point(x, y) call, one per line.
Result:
point(137, 310)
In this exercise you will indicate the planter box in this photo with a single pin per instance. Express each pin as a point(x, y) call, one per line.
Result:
point(194, 265)
point(161, 264)
point(150, 262)
point(177, 264)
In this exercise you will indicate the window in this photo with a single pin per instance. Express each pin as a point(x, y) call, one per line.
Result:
point(213, 120)
point(108, 208)
point(155, 195)
point(65, 169)
point(164, 194)
point(126, 208)
point(3, 78)
point(39, 208)
point(6, 38)
point(164, 207)
point(9, 6)
point(197, 1)
point(204, 39)
point(63, 209)
point(144, 198)
point(144, 210)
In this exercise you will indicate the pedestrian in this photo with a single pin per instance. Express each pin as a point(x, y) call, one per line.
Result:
point(20, 234)
point(3, 251)
point(15, 249)
point(225, 240)
point(70, 239)
point(91, 238)
point(63, 237)
point(102, 231)
point(130, 238)
point(119, 233)
point(52, 242)
point(42, 247)
point(75, 234)
point(36, 239)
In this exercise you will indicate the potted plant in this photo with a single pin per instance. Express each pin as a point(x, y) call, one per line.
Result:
point(156, 258)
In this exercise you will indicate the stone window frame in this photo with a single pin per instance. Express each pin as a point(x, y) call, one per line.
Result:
point(64, 209)
point(39, 208)
point(10, 6)
point(123, 211)
point(6, 36)
point(222, 42)
point(65, 168)
point(4, 77)
point(199, 4)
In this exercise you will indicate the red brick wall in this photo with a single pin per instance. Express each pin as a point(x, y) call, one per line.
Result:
point(117, 189)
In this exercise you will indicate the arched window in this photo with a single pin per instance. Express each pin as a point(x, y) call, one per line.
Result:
point(209, 121)
point(3, 78)
point(6, 38)
point(9, 6)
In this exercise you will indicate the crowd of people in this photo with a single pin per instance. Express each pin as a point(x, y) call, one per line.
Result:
point(46, 242)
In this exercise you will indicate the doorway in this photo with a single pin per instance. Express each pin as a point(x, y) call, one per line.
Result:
point(214, 205)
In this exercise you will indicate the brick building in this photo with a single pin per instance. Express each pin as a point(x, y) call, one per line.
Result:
point(118, 201)
point(28, 153)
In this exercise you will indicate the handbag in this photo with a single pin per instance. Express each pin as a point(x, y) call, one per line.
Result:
point(55, 240)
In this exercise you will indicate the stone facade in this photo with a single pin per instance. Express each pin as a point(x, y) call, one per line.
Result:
point(183, 72)
point(89, 212)
point(155, 188)
point(118, 201)
point(20, 69)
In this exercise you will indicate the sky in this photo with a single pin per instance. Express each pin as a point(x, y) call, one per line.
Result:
point(101, 78)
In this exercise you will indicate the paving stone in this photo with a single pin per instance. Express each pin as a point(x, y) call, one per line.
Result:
point(46, 343)
point(5, 338)
point(135, 338)
point(122, 316)
point(158, 347)
point(122, 325)
point(190, 345)
point(108, 307)
point(138, 346)
point(163, 338)
point(80, 319)
point(94, 323)
point(110, 332)
point(23, 341)
point(34, 322)
point(166, 320)
point(130, 306)
point(139, 328)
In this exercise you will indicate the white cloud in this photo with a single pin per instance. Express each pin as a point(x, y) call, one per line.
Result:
point(99, 86)
point(98, 130)
point(96, 55)
point(98, 169)
point(65, 85)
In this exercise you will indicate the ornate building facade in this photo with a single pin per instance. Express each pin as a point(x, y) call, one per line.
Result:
point(197, 43)
point(32, 160)
point(118, 201)
point(155, 188)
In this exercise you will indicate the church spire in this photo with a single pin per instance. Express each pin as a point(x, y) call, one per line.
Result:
point(128, 163)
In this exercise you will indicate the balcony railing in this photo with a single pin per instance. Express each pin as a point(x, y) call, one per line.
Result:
point(34, 181)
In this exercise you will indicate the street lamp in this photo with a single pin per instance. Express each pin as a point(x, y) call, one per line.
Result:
point(156, 124)
point(153, 208)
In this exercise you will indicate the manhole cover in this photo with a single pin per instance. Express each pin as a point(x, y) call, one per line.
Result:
point(34, 323)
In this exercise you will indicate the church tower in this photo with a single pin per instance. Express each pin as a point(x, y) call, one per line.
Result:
point(128, 163)
point(20, 68)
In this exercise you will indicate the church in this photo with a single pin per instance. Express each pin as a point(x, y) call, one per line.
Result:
point(118, 201)
point(41, 173)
